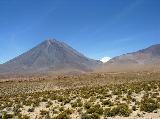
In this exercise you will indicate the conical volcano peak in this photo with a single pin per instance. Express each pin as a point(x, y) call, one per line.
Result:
point(50, 55)
point(51, 41)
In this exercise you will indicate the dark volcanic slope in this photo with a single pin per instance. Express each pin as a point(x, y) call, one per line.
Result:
point(146, 59)
point(50, 55)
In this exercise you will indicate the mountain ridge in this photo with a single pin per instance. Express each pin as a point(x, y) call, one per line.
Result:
point(141, 60)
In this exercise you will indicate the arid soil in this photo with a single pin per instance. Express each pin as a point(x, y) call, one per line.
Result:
point(88, 96)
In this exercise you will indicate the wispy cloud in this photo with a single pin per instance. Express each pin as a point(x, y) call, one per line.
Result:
point(115, 19)
point(122, 40)
point(128, 9)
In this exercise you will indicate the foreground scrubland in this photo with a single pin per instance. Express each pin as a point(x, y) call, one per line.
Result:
point(88, 96)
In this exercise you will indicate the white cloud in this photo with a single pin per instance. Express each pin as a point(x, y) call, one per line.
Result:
point(105, 59)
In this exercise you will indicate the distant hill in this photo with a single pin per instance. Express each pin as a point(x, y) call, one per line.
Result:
point(50, 55)
point(142, 60)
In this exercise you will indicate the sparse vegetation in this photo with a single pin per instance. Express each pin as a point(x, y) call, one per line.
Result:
point(86, 102)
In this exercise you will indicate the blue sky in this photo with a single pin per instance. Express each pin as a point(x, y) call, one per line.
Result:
point(96, 28)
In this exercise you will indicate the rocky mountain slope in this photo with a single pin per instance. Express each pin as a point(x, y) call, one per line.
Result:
point(50, 55)
point(146, 59)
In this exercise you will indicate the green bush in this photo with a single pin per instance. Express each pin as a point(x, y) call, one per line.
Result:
point(134, 108)
point(43, 112)
point(95, 116)
point(107, 112)
point(121, 110)
point(112, 112)
point(77, 103)
point(47, 116)
point(63, 115)
point(87, 105)
point(68, 111)
point(79, 110)
point(6, 116)
point(85, 116)
point(31, 109)
point(91, 110)
point(107, 102)
point(95, 109)
point(149, 105)
point(60, 99)
point(16, 110)
point(74, 104)
point(27, 103)
point(44, 100)
point(36, 103)
point(54, 111)
point(67, 100)
point(92, 99)
point(26, 117)
point(124, 110)
point(61, 109)
point(49, 103)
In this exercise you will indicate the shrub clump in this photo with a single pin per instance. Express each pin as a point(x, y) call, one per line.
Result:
point(87, 105)
point(77, 103)
point(149, 105)
point(85, 116)
point(43, 112)
point(120, 110)
point(63, 115)
point(95, 109)
point(6, 116)
point(31, 109)
point(107, 102)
